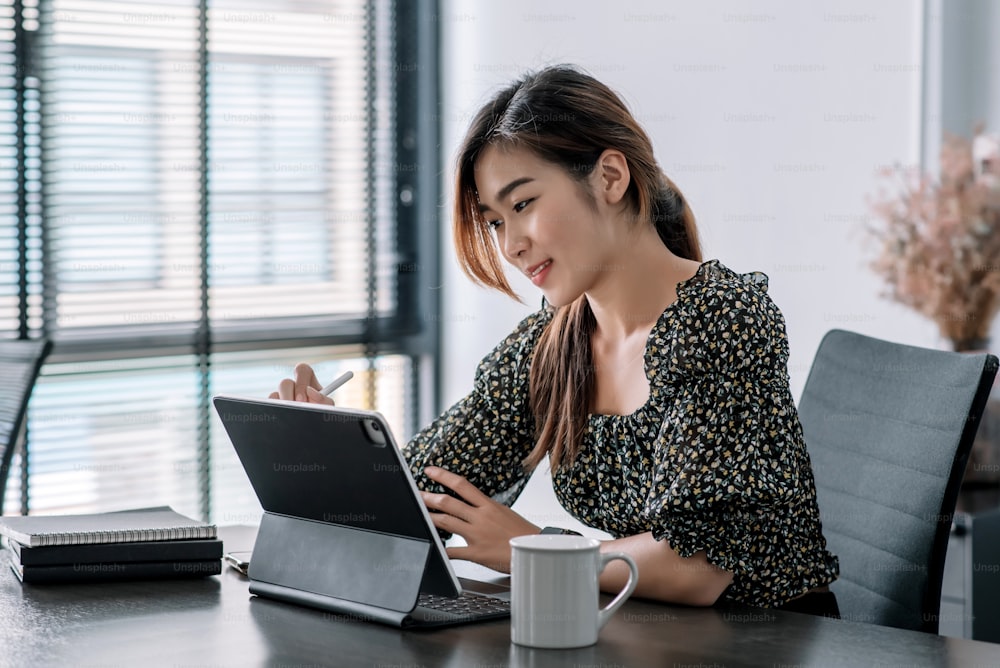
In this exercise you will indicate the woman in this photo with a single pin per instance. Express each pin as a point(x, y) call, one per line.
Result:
point(656, 384)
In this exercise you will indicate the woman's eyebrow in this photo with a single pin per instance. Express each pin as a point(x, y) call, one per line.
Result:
point(507, 189)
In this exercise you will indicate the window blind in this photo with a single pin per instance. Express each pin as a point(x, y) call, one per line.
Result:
point(297, 120)
point(216, 198)
point(10, 128)
point(19, 172)
point(291, 140)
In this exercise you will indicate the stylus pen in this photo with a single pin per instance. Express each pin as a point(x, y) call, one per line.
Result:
point(343, 378)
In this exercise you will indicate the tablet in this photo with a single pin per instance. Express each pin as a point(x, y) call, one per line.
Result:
point(333, 480)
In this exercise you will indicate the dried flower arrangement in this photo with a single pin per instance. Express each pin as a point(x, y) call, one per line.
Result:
point(938, 241)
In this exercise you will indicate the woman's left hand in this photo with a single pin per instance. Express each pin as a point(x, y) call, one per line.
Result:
point(486, 525)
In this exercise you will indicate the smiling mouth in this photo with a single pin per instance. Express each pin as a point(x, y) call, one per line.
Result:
point(540, 268)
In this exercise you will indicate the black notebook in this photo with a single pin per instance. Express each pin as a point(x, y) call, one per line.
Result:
point(149, 551)
point(127, 526)
point(115, 571)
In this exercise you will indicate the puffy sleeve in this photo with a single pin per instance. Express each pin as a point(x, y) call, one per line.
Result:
point(718, 463)
point(486, 435)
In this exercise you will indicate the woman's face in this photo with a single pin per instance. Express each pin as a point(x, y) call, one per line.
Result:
point(546, 227)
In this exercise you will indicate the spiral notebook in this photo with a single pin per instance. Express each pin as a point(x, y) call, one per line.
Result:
point(126, 526)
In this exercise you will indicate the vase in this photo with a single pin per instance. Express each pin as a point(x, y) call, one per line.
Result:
point(983, 469)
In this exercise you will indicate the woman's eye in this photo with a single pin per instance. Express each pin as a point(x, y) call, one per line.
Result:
point(494, 223)
point(519, 207)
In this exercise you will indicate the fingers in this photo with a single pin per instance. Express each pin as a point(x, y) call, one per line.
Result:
point(460, 553)
point(304, 387)
point(494, 562)
point(305, 378)
point(448, 506)
point(458, 484)
point(286, 389)
point(314, 396)
point(486, 525)
point(449, 523)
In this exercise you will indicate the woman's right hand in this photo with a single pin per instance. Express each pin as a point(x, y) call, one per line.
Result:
point(304, 387)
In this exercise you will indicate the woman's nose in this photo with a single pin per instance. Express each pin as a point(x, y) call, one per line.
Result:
point(515, 241)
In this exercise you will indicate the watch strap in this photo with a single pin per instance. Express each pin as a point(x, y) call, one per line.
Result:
point(560, 530)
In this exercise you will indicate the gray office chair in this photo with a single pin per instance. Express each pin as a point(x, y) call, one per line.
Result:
point(20, 362)
point(889, 428)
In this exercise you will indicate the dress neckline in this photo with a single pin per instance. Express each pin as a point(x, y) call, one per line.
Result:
point(681, 288)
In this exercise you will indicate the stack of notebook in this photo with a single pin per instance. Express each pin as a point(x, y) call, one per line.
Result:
point(127, 545)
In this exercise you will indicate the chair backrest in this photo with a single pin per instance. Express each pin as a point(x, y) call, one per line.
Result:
point(889, 428)
point(20, 362)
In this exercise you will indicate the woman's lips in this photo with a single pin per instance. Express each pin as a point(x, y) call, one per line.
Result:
point(541, 272)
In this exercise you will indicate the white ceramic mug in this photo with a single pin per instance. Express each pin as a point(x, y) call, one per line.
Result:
point(554, 590)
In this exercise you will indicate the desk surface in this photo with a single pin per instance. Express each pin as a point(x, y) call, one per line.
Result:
point(215, 622)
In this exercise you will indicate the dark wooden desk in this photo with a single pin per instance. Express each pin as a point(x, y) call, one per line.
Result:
point(215, 622)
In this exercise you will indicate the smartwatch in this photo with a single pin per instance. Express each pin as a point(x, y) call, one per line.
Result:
point(560, 530)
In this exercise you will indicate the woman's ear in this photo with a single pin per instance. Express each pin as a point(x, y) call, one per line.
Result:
point(613, 176)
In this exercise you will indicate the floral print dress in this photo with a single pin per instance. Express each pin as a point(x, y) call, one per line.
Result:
point(714, 460)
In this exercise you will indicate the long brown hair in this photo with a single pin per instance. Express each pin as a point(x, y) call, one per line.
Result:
point(569, 119)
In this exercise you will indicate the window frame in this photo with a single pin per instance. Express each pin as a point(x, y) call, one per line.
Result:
point(411, 329)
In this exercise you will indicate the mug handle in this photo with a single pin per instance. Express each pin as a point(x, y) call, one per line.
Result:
point(605, 613)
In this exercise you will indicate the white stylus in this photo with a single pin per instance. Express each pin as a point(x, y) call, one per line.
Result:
point(340, 380)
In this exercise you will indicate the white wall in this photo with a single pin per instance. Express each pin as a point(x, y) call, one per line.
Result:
point(772, 117)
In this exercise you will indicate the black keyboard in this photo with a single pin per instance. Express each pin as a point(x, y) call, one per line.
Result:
point(467, 604)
